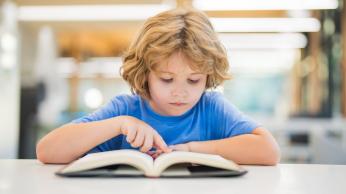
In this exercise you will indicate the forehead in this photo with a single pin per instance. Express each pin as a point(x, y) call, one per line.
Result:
point(177, 63)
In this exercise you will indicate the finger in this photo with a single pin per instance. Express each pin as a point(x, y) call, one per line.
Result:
point(159, 151)
point(173, 147)
point(139, 140)
point(131, 135)
point(148, 143)
point(155, 155)
point(124, 131)
point(160, 143)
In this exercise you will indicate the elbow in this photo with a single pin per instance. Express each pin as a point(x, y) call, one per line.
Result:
point(272, 161)
point(44, 155)
point(272, 156)
point(41, 154)
point(270, 153)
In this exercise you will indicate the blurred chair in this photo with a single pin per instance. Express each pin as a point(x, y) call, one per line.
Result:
point(29, 101)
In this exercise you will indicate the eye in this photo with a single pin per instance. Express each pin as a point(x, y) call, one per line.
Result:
point(193, 81)
point(169, 80)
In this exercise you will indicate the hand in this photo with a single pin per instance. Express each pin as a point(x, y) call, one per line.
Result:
point(180, 147)
point(154, 154)
point(140, 134)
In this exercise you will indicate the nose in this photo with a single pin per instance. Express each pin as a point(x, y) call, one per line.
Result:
point(179, 91)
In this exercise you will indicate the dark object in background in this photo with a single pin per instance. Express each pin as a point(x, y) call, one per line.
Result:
point(299, 138)
point(29, 101)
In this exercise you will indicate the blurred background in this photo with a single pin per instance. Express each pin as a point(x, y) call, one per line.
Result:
point(60, 60)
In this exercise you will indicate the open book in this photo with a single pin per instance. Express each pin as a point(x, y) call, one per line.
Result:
point(132, 163)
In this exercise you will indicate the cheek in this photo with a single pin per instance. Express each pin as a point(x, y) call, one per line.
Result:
point(196, 91)
point(158, 92)
point(200, 89)
point(195, 94)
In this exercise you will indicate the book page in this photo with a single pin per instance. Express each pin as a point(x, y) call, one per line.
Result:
point(168, 159)
point(133, 158)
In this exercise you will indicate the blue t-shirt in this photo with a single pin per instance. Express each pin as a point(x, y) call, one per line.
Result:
point(213, 117)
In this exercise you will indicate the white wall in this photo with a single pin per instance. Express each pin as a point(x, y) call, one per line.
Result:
point(9, 114)
point(9, 82)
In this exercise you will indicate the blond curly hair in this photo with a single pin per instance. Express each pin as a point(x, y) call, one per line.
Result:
point(179, 30)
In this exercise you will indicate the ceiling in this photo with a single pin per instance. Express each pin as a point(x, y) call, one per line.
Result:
point(104, 38)
point(81, 2)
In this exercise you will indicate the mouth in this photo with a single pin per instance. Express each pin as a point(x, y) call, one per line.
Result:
point(178, 104)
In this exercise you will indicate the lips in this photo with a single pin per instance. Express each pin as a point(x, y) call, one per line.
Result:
point(178, 104)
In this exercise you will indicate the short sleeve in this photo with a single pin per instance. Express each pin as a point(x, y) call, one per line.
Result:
point(115, 107)
point(227, 119)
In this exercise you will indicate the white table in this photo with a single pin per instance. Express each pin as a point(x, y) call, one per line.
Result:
point(30, 176)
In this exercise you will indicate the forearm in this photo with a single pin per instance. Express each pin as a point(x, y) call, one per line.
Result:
point(70, 141)
point(243, 149)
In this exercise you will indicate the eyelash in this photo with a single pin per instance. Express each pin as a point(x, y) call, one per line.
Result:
point(166, 80)
point(193, 81)
point(170, 80)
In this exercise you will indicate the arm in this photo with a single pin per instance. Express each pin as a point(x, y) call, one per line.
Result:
point(71, 141)
point(257, 148)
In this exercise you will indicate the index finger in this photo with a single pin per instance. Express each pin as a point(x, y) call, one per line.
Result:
point(160, 143)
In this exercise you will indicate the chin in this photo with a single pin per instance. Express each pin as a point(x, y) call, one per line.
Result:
point(177, 113)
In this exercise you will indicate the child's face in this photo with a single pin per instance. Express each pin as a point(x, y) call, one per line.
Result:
point(174, 87)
